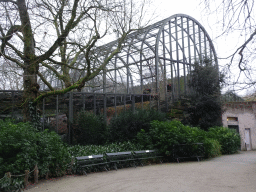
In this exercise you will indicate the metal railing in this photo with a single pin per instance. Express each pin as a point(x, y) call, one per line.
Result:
point(59, 111)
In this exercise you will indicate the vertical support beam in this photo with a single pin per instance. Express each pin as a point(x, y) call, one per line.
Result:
point(200, 44)
point(125, 102)
point(70, 118)
point(141, 79)
point(150, 102)
point(127, 83)
point(183, 56)
point(142, 101)
point(43, 112)
point(133, 103)
point(57, 114)
point(177, 55)
point(104, 80)
point(115, 86)
point(105, 107)
point(205, 46)
point(211, 50)
point(94, 104)
point(171, 63)
point(164, 61)
point(194, 37)
point(12, 103)
point(128, 73)
point(83, 97)
point(189, 50)
point(115, 104)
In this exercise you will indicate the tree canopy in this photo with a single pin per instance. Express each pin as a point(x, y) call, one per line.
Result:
point(237, 17)
point(203, 108)
point(45, 38)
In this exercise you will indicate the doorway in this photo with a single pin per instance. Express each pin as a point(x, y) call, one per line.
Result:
point(248, 139)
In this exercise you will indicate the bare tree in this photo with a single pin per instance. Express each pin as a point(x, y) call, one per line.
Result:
point(46, 37)
point(10, 76)
point(238, 16)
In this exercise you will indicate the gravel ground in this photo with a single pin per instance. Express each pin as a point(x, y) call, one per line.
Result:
point(234, 173)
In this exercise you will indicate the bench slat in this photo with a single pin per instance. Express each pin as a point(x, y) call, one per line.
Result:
point(89, 162)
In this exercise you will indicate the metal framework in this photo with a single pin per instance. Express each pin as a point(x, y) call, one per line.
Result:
point(157, 56)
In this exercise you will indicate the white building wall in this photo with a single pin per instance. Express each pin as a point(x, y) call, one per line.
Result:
point(245, 112)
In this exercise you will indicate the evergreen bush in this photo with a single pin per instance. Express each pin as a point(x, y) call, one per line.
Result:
point(22, 147)
point(164, 135)
point(229, 139)
point(212, 148)
point(90, 129)
point(127, 124)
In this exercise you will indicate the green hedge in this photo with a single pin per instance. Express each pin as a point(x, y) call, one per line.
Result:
point(22, 147)
point(212, 148)
point(163, 135)
point(90, 129)
point(229, 139)
point(127, 124)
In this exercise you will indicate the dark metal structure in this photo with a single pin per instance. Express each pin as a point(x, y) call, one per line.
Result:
point(155, 60)
point(153, 67)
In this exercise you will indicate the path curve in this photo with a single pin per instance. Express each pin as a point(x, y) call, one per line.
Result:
point(228, 173)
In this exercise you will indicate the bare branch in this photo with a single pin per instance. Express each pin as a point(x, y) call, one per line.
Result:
point(8, 1)
point(243, 47)
point(45, 81)
point(8, 36)
point(62, 37)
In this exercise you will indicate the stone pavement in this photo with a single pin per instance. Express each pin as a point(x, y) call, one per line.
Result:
point(228, 173)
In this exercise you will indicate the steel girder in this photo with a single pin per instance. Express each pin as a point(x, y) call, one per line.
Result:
point(160, 54)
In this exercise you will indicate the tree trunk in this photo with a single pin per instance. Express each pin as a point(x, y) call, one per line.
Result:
point(31, 88)
point(31, 91)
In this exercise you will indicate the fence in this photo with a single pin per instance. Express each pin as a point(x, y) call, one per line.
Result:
point(8, 176)
point(59, 111)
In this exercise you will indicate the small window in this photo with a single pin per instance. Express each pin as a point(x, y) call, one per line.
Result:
point(232, 119)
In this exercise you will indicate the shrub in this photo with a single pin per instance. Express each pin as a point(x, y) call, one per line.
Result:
point(203, 106)
point(22, 147)
point(90, 129)
point(212, 148)
point(127, 124)
point(229, 139)
point(53, 154)
point(78, 150)
point(163, 135)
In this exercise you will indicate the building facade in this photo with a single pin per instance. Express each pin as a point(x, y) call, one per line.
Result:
point(241, 116)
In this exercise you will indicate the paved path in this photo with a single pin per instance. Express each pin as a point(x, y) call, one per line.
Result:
point(229, 173)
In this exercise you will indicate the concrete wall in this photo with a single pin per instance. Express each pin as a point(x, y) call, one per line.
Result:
point(246, 118)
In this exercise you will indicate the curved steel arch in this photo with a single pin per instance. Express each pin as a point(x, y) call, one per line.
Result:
point(161, 54)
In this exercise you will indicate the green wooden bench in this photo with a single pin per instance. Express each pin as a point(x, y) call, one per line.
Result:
point(120, 159)
point(88, 163)
point(141, 156)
